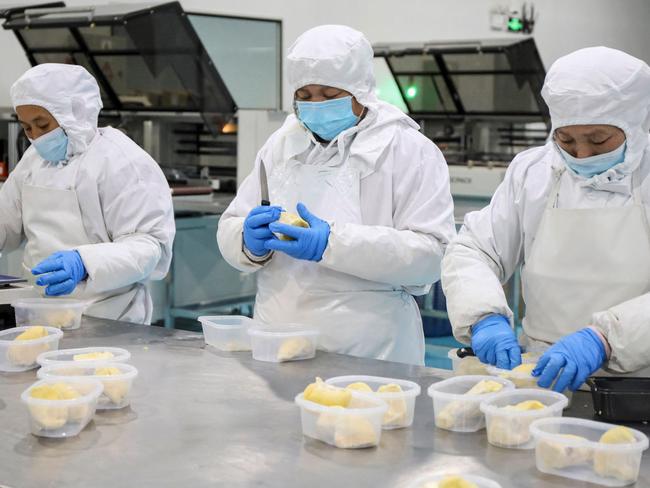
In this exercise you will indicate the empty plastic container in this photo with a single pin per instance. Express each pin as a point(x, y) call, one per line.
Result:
point(278, 344)
point(354, 427)
point(21, 355)
point(51, 312)
point(429, 480)
point(117, 379)
point(84, 355)
point(63, 418)
point(454, 409)
point(401, 405)
point(510, 428)
point(227, 332)
point(570, 448)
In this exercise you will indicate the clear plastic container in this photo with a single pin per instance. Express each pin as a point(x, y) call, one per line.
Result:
point(432, 480)
point(63, 418)
point(522, 379)
point(354, 427)
point(228, 332)
point(21, 355)
point(510, 428)
point(401, 405)
point(454, 410)
point(117, 379)
point(584, 458)
point(277, 344)
point(51, 312)
point(467, 366)
point(67, 356)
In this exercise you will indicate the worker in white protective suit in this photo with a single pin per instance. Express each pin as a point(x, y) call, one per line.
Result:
point(375, 193)
point(95, 209)
point(574, 215)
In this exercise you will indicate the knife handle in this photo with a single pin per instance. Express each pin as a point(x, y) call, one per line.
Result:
point(266, 203)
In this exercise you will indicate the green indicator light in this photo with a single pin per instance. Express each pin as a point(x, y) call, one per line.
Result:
point(412, 92)
point(515, 24)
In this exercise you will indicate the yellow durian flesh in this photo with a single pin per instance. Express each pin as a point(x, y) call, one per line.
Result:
point(115, 390)
point(359, 386)
point(558, 455)
point(623, 466)
point(327, 395)
point(53, 417)
point(525, 406)
point(295, 348)
point(93, 356)
point(22, 354)
point(289, 218)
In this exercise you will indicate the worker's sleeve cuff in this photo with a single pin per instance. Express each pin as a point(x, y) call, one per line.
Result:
point(258, 260)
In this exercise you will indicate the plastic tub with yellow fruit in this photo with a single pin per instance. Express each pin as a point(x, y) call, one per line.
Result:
point(586, 450)
point(61, 407)
point(456, 401)
point(117, 379)
point(508, 415)
point(522, 376)
point(21, 346)
point(344, 418)
point(280, 343)
point(84, 355)
point(61, 313)
point(453, 481)
point(399, 395)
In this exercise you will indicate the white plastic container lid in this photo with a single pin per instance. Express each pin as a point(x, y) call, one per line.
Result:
point(66, 356)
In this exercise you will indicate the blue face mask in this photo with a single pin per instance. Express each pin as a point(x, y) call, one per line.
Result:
point(594, 165)
point(327, 119)
point(52, 146)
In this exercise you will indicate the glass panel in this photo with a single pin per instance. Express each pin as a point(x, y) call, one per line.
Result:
point(426, 94)
point(106, 38)
point(476, 62)
point(137, 87)
point(72, 58)
point(49, 38)
point(247, 54)
point(495, 93)
point(387, 89)
point(414, 62)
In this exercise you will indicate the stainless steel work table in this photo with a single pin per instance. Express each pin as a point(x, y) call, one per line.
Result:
point(200, 417)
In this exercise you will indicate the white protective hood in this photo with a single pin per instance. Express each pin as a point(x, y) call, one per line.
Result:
point(69, 93)
point(599, 85)
point(333, 55)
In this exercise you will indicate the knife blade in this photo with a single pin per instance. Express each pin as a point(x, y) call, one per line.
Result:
point(264, 185)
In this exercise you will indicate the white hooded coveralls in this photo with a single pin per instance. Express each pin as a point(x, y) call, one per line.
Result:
point(115, 207)
point(384, 189)
point(590, 86)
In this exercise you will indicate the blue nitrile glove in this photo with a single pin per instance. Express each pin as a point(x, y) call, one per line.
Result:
point(494, 342)
point(256, 228)
point(309, 244)
point(572, 360)
point(61, 272)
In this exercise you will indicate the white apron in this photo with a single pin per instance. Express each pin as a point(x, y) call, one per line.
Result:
point(52, 222)
point(355, 316)
point(584, 261)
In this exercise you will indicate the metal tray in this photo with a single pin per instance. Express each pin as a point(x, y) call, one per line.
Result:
point(621, 399)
